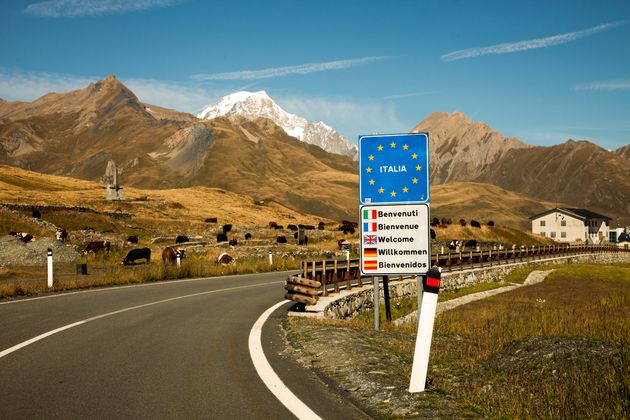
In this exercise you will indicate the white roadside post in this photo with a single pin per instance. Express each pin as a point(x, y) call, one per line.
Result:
point(178, 258)
point(347, 255)
point(270, 258)
point(426, 318)
point(50, 268)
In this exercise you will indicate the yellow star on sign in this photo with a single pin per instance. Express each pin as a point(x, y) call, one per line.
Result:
point(393, 193)
point(405, 147)
point(380, 148)
point(414, 156)
point(405, 189)
point(381, 190)
point(372, 182)
point(368, 169)
point(418, 168)
point(371, 157)
point(415, 180)
point(392, 145)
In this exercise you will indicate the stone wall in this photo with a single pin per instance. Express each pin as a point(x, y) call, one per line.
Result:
point(362, 299)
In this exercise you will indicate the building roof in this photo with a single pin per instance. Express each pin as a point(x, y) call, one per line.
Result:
point(582, 214)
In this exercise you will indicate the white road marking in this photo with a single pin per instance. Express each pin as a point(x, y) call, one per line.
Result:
point(107, 289)
point(94, 318)
point(267, 374)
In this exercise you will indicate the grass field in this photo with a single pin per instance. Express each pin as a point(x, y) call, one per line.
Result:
point(557, 349)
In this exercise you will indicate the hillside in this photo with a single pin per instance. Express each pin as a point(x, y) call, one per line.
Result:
point(76, 133)
point(578, 173)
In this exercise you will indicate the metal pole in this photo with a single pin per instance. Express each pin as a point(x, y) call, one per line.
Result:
point(388, 310)
point(50, 268)
point(377, 305)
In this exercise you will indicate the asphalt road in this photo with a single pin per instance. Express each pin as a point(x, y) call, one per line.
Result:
point(175, 349)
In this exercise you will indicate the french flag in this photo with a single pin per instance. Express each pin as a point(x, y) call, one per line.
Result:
point(369, 227)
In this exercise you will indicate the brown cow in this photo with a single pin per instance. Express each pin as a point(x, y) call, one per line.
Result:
point(169, 255)
point(96, 246)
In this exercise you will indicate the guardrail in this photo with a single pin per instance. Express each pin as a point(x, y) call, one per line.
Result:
point(333, 275)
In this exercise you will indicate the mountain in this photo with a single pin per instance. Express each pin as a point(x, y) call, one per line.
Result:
point(76, 133)
point(253, 105)
point(624, 151)
point(578, 173)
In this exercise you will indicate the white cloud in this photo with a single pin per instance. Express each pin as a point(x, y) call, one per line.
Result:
point(28, 86)
point(623, 84)
point(406, 95)
point(73, 8)
point(287, 70)
point(349, 118)
point(512, 47)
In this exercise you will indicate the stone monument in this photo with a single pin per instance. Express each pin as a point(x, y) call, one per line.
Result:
point(113, 188)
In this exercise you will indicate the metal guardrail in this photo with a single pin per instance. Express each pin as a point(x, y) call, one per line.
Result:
point(333, 275)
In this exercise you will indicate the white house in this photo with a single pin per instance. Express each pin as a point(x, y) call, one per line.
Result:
point(572, 225)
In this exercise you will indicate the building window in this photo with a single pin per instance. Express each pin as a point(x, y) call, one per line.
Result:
point(563, 222)
point(563, 234)
point(542, 223)
point(543, 234)
point(553, 234)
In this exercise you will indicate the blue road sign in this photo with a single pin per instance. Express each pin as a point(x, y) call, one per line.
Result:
point(394, 169)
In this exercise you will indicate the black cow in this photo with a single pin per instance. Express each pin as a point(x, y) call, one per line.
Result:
point(321, 225)
point(233, 242)
point(433, 235)
point(281, 239)
point(222, 237)
point(180, 239)
point(37, 214)
point(227, 228)
point(137, 254)
point(62, 235)
point(272, 225)
point(471, 243)
point(97, 246)
point(132, 239)
point(211, 220)
point(248, 236)
point(25, 237)
point(279, 227)
point(475, 224)
point(292, 227)
point(490, 223)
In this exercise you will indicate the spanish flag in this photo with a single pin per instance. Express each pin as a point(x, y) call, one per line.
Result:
point(369, 265)
point(369, 252)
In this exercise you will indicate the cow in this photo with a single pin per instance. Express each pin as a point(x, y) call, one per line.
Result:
point(309, 227)
point(169, 255)
point(233, 242)
point(248, 236)
point(211, 220)
point(137, 254)
point(292, 227)
point(475, 224)
point(281, 239)
point(225, 258)
point(490, 223)
point(132, 240)
point(227, 228)
point(279, 227)
point(97, 246)
point(462, 222)
point(470, 243)
point(62, 235)
point(25, 237)
point(321, 225)
point(348, 230)
point(433, 235)
point(222, 237)
point(343, 244)
point(435, 221)
point(180, 239)
point(272, 225)
point(37, 214)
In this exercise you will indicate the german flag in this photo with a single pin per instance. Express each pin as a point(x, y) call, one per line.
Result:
point(369, 265)
point(369, 252)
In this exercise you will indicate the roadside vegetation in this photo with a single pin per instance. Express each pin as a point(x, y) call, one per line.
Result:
point(557, 349)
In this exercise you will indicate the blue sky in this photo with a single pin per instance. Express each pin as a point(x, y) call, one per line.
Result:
point(543, 71)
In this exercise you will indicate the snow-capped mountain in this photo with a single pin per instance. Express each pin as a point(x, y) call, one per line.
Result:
point(259, 104)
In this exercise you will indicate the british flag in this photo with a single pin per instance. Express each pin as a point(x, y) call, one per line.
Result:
point(369, 239)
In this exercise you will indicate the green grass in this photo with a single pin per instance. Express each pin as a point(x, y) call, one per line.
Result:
point(557, 349)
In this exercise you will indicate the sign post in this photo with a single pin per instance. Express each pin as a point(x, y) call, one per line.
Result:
point(395, 234)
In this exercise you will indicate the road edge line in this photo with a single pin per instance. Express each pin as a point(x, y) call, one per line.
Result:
point(266, 373)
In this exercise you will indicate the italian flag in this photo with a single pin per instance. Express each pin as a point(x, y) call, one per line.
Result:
point(369, 214)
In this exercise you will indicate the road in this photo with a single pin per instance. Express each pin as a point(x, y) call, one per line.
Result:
point(165, 350)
